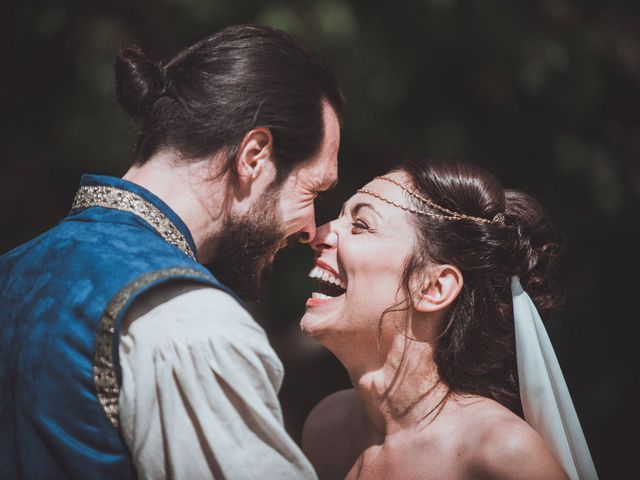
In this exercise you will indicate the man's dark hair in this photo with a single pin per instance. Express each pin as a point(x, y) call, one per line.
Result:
point(208, 96)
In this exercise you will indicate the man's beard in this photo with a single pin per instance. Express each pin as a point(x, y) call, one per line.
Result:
point(244, 248)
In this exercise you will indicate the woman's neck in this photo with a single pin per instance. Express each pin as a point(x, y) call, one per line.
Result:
point(399, 386)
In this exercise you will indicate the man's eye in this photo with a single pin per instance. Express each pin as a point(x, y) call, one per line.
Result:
point(359, 226)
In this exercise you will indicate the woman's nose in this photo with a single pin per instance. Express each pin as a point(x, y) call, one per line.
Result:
point(325, 239)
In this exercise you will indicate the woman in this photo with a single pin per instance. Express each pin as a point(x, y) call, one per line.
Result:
point(419, 282)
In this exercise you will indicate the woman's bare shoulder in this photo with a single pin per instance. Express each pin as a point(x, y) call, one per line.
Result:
point(330, 417)
point(328, 432)
point(501, 445)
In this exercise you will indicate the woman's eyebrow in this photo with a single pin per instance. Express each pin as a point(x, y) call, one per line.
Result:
point(360, 205)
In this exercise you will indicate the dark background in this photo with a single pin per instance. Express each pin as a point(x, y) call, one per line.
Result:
point(546, 94)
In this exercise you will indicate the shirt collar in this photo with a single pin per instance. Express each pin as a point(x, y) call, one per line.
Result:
point(90, 180)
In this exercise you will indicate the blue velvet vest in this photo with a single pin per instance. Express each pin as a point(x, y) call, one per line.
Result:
point(62, 297)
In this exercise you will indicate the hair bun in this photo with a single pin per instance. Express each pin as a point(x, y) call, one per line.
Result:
point(139, 82)
point(535, 248)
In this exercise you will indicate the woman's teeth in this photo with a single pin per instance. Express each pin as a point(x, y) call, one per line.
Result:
point(319, 295)
point(326, 276)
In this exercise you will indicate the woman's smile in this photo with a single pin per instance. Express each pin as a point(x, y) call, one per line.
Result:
point(330, 285)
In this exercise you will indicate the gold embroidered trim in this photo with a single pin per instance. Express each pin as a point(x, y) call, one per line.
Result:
point(119, 199)
point(404, 207)
point(104, 372)
point(450, 214)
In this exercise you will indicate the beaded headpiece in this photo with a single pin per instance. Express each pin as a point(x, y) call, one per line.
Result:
point(446, 213)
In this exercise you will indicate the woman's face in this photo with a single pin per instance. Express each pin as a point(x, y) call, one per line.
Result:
point(364, 252)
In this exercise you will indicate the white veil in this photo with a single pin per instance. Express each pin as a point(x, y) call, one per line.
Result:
point(544, 394)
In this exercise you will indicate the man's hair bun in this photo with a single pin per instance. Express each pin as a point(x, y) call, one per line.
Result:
point(139, 82)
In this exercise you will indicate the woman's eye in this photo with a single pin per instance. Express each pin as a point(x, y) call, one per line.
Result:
point(359, 226)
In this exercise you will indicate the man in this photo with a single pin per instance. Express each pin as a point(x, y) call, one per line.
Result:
point(120, 353)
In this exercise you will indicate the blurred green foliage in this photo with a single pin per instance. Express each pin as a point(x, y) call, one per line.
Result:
point(546, 94)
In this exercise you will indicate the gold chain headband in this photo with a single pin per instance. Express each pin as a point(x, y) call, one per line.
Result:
point(451, 215)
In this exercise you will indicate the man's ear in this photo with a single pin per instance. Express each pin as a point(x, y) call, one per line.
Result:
point(438, 289)
point(254, 155)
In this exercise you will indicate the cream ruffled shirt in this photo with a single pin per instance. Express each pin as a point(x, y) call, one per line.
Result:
point(199, 390)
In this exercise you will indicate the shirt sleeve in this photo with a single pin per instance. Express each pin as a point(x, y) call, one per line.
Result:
point(199, 390)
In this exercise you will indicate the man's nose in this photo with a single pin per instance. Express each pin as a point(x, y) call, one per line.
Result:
point(308, 233)
point(325, 238)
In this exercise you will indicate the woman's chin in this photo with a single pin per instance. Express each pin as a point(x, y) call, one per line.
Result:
point(321, 315)
point(313, 326)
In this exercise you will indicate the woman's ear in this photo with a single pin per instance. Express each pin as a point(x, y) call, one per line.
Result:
point(439, 288)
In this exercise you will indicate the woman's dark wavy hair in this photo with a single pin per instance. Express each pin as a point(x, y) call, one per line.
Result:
point(476, 350)
point(208, 96)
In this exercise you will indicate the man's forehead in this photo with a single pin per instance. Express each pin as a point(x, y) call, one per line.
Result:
point(322, 171)
point(330, 179)
point(331, 146)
